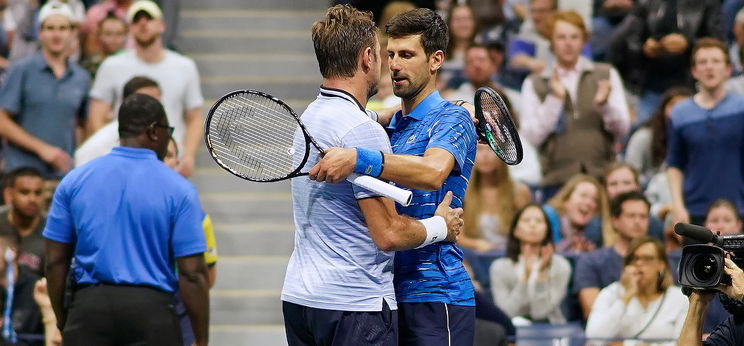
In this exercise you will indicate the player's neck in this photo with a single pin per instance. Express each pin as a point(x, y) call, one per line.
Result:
point(151, 54)
point(408, 105)
point(357, 88)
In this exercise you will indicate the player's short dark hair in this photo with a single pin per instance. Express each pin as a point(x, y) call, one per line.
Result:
point(616, 205)
point(424, 22)
point(340, 37)
point(137, 112)
point(137, 83)
point(10, 178)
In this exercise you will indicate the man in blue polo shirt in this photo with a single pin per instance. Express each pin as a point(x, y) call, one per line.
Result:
point(128, 219)
point(434, 144)
point(43, 98)
point(706, 139)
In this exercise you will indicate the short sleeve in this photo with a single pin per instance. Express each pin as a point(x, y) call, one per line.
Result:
point(454, 131)
point(11, 91)
point(104, 86)
point(193, 97)
point(188, 235)
point(368, 135)
point(60, 225)
point(727, 333)
point(585, 275)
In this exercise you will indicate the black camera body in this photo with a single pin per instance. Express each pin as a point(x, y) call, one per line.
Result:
point(701, 266)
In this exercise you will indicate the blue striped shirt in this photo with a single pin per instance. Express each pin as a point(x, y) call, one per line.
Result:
point(335, 264)
point(434, 273)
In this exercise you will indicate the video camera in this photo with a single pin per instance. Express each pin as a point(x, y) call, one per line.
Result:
point(701, 266)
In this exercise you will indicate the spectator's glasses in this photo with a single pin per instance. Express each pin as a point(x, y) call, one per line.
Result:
point(170, 128)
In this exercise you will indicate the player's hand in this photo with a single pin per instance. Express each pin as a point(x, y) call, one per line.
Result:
point(335, 166)
point(674, 43)
point(603, 92)
point(736, 289)
point(453, 217)
point(652, 48)
point(186, 165)
point(57, 158)
point(471, 110)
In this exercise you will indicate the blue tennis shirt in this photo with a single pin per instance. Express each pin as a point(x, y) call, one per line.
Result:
point(434, 273)
point(129, 217)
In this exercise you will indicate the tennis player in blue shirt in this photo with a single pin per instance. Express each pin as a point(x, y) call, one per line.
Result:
point(434, 144)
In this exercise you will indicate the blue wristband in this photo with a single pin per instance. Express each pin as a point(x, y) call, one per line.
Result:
point(369, 162)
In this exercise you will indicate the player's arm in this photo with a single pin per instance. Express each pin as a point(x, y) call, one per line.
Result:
point(194, 128)
point(393, 232)
point(426, 172)
point(98, 114)
point(50, 154)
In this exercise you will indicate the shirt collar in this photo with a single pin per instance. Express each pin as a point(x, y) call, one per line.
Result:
point(137, 153)
point(331, 92)
point(425, 106)
point(40, 62)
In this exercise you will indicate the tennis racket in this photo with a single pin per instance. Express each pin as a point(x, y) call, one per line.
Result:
point(257, 137)
point(495, 126)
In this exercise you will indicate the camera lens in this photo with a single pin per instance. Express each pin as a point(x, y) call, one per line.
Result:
point(704, 267)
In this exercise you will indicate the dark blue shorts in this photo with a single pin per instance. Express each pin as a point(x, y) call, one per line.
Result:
point(436, 324)
point(318, 327)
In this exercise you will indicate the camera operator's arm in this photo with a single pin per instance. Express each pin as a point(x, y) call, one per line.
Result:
point(692, 331)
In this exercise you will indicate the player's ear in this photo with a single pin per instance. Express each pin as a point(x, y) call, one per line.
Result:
point(436, 60)
point(368, 58)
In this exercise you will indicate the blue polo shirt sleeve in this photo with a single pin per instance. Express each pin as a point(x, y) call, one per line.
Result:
point(454, 132)
point(676, 148)
point(60, 225)
point(11, 89)
point(369, 135)
point(188, 234)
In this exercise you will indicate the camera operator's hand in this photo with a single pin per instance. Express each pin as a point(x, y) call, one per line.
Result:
point(736, 289)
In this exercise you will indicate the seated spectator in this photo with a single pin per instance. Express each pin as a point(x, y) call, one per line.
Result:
point(26, 322)
point(722, 217)
point(643, 303)
point(600, 268)
point(646, 150)
point(112, 37)
point(575, 110)
point(569, 211)
point(462, 30)
point(619, 178)
point(492, 199)
point(532, 280)
point(529, 51)
point(24, 217)
point(105, 139)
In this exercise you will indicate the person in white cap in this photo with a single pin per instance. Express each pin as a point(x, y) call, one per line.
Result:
point(44, 97)
point(177, 75)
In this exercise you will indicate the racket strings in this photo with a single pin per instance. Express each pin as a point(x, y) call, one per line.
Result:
point(255, 137)
point(496, 117)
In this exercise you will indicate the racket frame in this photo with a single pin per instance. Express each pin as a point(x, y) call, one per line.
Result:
point(485, 132)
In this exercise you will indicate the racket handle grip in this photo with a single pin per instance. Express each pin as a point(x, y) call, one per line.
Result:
point(403, 197)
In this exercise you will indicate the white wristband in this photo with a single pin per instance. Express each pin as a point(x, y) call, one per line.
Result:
point(436, 230)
